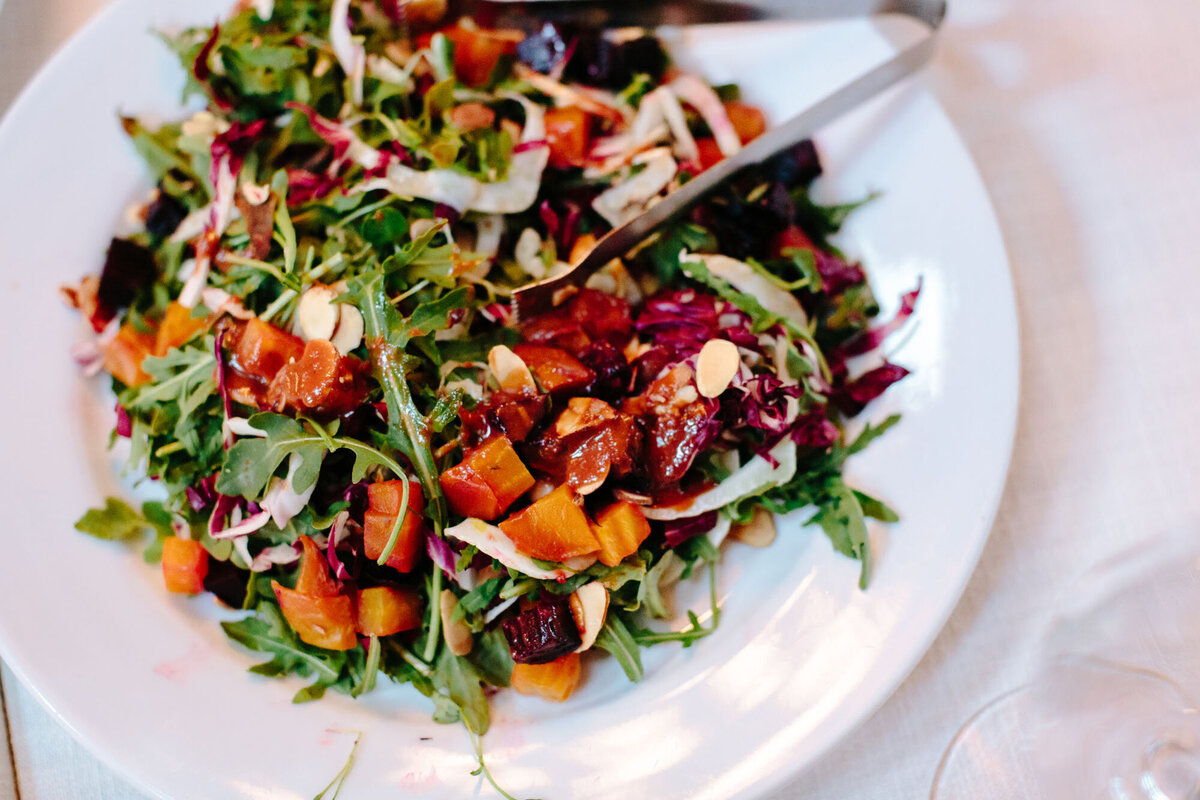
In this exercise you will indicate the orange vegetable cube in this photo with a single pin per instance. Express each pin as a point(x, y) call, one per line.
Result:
point(326, 622)
point(554, 681)
point(123, 355)
point(621, 528)
point(177, 327)
point(314, 579)
point(471, 116)
point(468, 494)
point(386, 496)
point(552, 529)
point(710, 152)
point(747, 120)
point(321, 379)
point(487, 481)
point(555, 369)
point(568, 134)
point(184, 565)
point(384, 507)
point(263, 349)
point(791, 237)
point(385, 610)
point(477, 51)
point(501, 469)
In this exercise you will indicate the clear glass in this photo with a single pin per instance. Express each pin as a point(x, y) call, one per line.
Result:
point(1110, 712)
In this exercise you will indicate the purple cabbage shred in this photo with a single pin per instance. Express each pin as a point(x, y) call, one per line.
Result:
point(679, 531)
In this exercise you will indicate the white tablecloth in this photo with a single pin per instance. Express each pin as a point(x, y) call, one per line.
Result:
point(1084, 117)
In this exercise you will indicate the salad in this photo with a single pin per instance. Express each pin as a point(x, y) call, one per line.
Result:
point(314, 359)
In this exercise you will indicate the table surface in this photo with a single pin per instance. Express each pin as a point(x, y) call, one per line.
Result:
point(1083, 116)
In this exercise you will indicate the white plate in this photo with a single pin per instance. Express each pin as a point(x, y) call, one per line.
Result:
point(148, 682)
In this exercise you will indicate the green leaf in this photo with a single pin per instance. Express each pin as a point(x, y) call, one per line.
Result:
point(664, 253)
point(480, 597)
point(649, 594)
point(251, 462)
point(875, 508)
point(372, 669)
point(184, 376)
point(871, 433)
point(761, 317)
point(385, 229)
point(457, 679)
point(335, 785)
point(617, 640)
point(115, 522)
point(492, 658)
point(841, 517)
point(432, 317)
point(285, 233)
point(268, 632)
point(408, 430)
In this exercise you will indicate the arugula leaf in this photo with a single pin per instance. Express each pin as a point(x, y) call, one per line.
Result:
point(372, 668)
point(615, 638)
point(408, 429)
point(664, 253)
point(251, 462)
point(875, 508)
point(115, 522)
point(761, 317)
point(871, 433)
point(268, 632)
point(335, 785)
point(649, 593)
point(841, 517)
point(479, 598)
point(492, 658)
point(184, 376)
point(456, 679)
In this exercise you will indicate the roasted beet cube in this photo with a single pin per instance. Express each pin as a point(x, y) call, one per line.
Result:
point(511, 414)
point(164, 215)
point(613, 373)
point(542, 633)
point(557, 328)
point(227, 582)
point(602, 316)
point(544, 49)
point(129, 269)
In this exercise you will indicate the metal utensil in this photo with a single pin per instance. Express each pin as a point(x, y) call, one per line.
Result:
point(540, 297)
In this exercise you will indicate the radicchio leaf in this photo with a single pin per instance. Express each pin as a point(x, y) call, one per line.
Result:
point(868, 340)
point(679, 531)
point(854, 395)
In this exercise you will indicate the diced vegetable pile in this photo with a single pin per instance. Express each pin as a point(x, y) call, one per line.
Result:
point(314, 360)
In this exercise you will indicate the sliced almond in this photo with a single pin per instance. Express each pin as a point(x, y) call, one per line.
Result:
point(316, 313)
point(457, 634)
point(349, 333)
point(540, 490)
point(716, 366)
point(589, 605)
point(758, 532)
point(588, 488)
point(580, 563)
point(255, 195)
point(510, 370)
point(580, 413)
